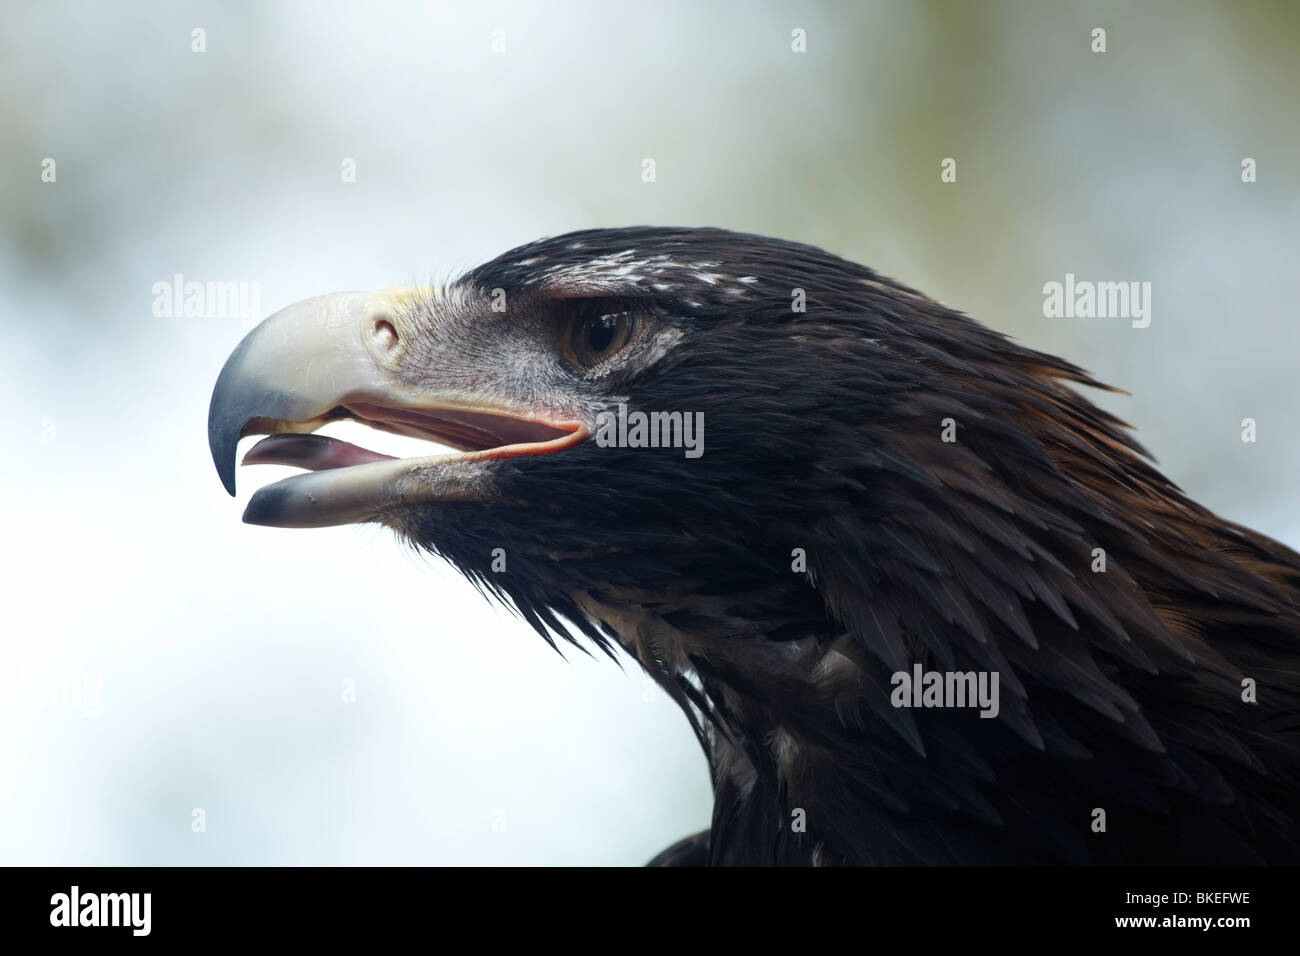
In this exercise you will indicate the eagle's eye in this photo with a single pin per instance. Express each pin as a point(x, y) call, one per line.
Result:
point(596, 335)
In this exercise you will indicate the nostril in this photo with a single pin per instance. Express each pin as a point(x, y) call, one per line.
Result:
point(385, 335)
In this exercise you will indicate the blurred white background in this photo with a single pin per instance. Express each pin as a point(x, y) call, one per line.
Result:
point(221, 648)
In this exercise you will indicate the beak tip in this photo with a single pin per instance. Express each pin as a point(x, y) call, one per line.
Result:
point(250, 389)
point(224, 459)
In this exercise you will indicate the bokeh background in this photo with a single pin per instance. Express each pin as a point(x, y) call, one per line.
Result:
point(160, 657)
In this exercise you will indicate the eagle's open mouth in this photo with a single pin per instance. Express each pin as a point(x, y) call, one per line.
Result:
point(476, 434)
point(335, 358)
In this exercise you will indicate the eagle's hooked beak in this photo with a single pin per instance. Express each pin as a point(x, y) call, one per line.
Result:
point(341, 356)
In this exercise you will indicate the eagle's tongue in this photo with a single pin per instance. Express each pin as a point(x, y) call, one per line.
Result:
point(313, 452)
